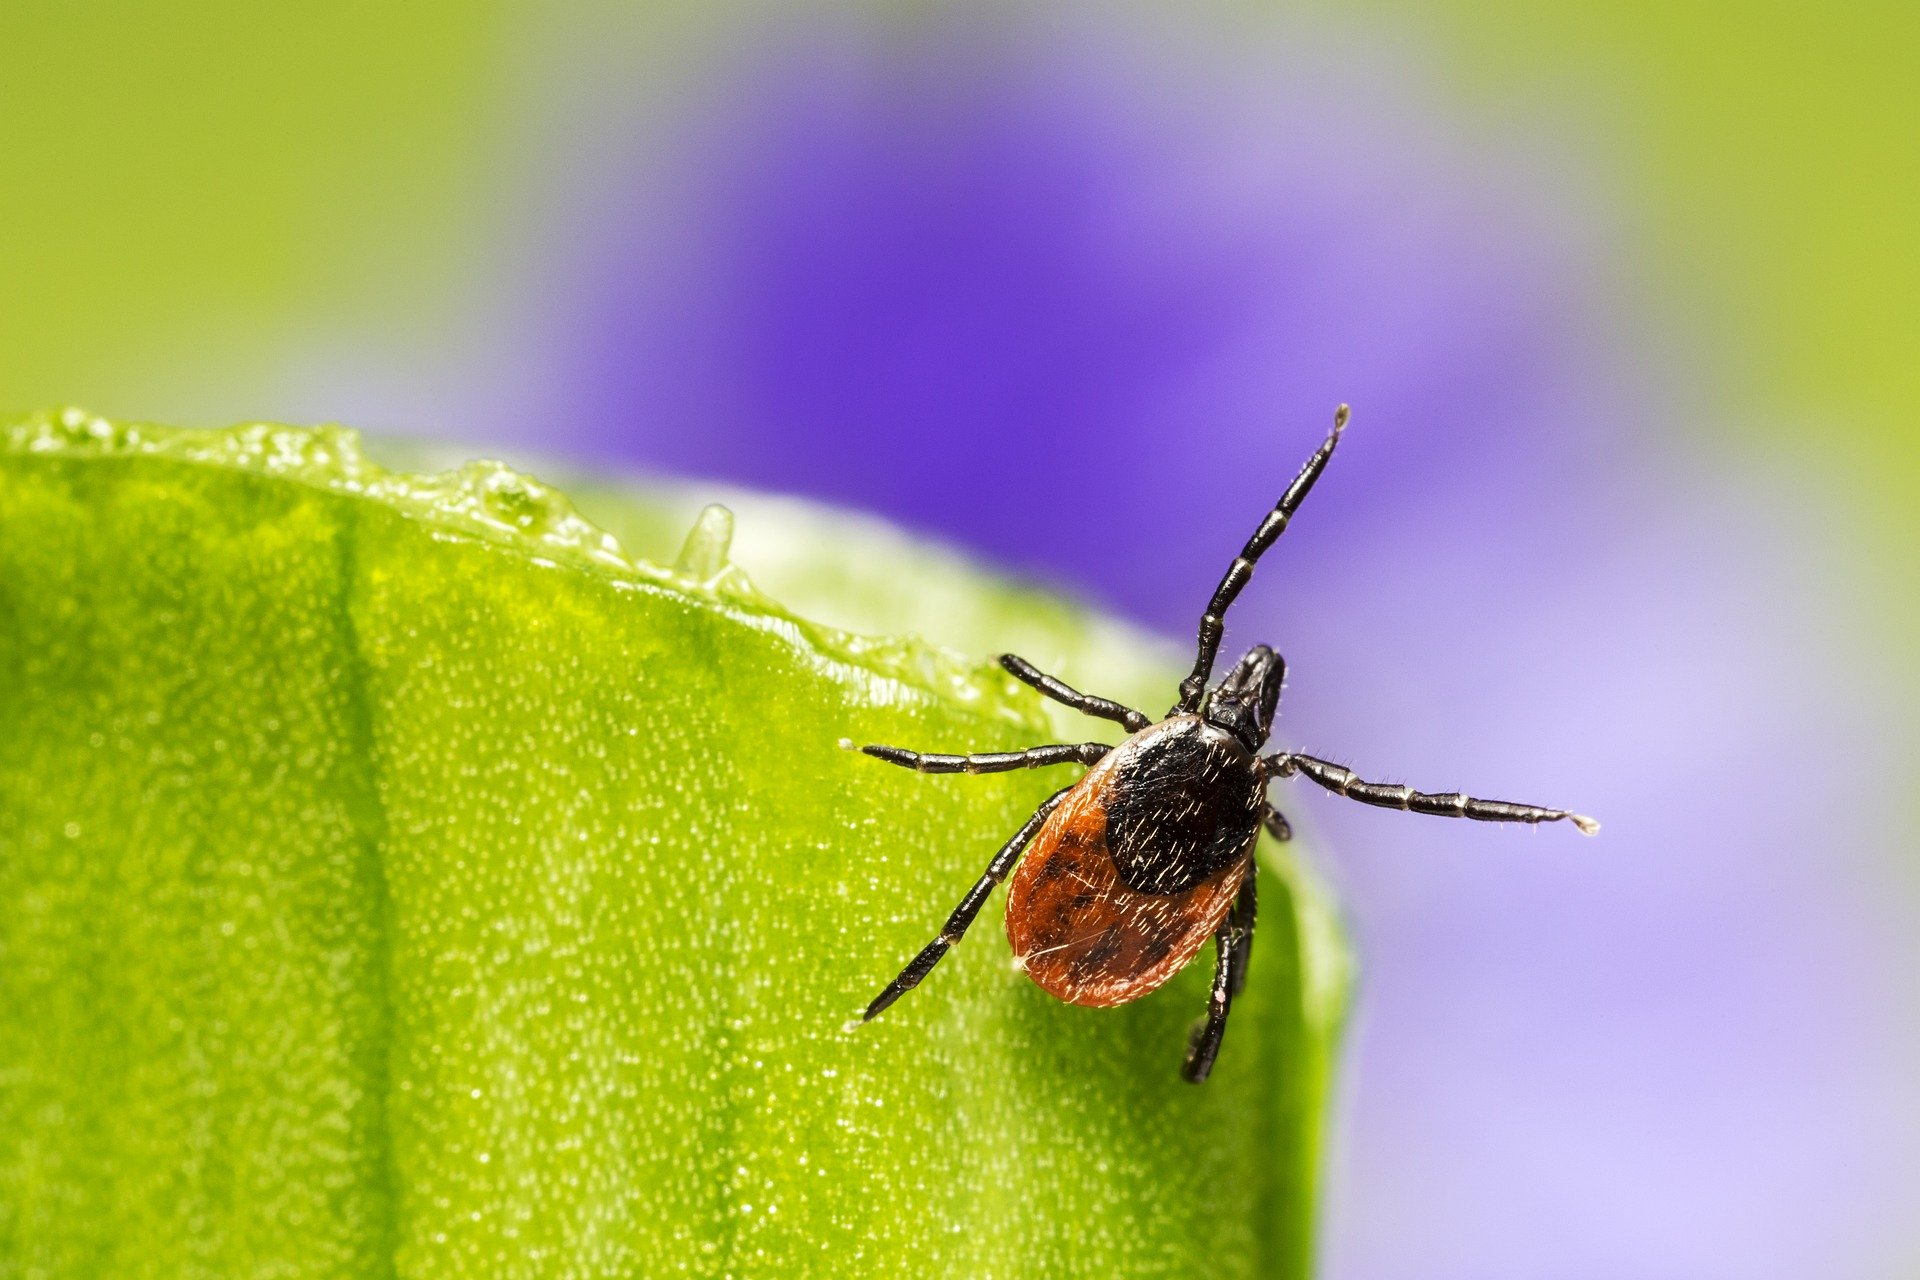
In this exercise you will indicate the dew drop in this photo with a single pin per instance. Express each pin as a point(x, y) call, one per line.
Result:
point(703, 556)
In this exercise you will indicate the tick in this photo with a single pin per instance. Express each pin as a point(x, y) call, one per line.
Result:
point(1150, 853)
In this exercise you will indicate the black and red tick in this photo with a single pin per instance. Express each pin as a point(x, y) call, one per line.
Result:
point(1151, 851)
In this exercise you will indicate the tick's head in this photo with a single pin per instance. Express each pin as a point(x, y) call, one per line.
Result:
point(1243, 702)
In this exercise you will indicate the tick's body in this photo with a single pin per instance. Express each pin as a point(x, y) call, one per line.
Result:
point(1136, 865)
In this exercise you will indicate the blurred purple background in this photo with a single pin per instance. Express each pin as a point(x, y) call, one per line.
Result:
point(1081, 297)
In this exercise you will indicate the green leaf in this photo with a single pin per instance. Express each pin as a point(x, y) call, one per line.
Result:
point(396, 878)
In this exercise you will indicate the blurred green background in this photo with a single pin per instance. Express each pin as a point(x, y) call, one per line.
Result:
point(220, 212)
point(197, 189)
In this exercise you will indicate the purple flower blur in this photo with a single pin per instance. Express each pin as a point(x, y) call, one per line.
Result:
point(1020, 297)
point(1082, 299)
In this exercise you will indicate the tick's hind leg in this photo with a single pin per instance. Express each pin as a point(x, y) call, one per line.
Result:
point(1066, 695)
point(1342, 782)
point(1232, 945)
point(1242, 917)
point(957, 923)
point(987, 761)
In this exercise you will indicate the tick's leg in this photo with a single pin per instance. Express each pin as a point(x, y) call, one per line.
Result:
point(1105, 708)
point(1341, 781)
point(1213, 621)
point(1242, 915)
point(1203, 1043)
point(1277, 824)
point(1229, 973)
point(962, 917)
point(989, 761)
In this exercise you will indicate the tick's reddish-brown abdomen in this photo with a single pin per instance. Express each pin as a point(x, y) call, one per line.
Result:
point(1082, 934)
